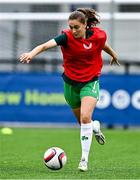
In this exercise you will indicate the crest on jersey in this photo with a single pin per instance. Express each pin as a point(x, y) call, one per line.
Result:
point(87, 46)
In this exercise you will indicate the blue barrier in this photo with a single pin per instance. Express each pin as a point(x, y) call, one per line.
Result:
point(38, 98)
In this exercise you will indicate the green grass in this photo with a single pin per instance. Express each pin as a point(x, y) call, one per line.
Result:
point(21, 154)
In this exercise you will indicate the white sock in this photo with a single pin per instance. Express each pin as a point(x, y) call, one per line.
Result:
point(95, 126)
point(86, 139)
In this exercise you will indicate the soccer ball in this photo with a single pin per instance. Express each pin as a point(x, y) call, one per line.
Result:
point(55, 158)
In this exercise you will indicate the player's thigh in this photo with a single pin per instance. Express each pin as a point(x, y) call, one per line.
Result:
point(89, 95)
point(88, 104)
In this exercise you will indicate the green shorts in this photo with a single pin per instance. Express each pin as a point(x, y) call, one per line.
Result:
point(73, 94)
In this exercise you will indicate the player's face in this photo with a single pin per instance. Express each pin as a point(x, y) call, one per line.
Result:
point(78, 29)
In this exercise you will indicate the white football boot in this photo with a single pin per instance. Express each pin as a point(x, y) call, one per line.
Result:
point(83, 165)
point(97, 132)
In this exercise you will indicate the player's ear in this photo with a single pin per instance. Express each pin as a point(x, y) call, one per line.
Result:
point(85, 25)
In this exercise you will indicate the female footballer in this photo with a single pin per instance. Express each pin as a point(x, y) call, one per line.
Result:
point(81, 46)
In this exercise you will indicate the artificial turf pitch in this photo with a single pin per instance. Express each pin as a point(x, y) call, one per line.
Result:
point(21, 154)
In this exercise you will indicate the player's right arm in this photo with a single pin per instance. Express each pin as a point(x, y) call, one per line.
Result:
point(114, 58)
point(27, 57)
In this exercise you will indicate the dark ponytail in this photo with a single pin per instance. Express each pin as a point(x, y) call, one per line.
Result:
point(91, 16)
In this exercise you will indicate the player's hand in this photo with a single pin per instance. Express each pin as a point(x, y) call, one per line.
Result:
point(114, 60)
point(25, 58)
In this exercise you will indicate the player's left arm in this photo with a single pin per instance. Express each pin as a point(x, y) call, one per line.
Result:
point(114, 58)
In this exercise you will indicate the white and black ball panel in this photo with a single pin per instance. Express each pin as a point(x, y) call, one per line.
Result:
point(49, 154)
point(55, 158)
point(62, 159)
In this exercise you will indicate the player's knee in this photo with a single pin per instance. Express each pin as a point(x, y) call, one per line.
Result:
point(85, 118)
